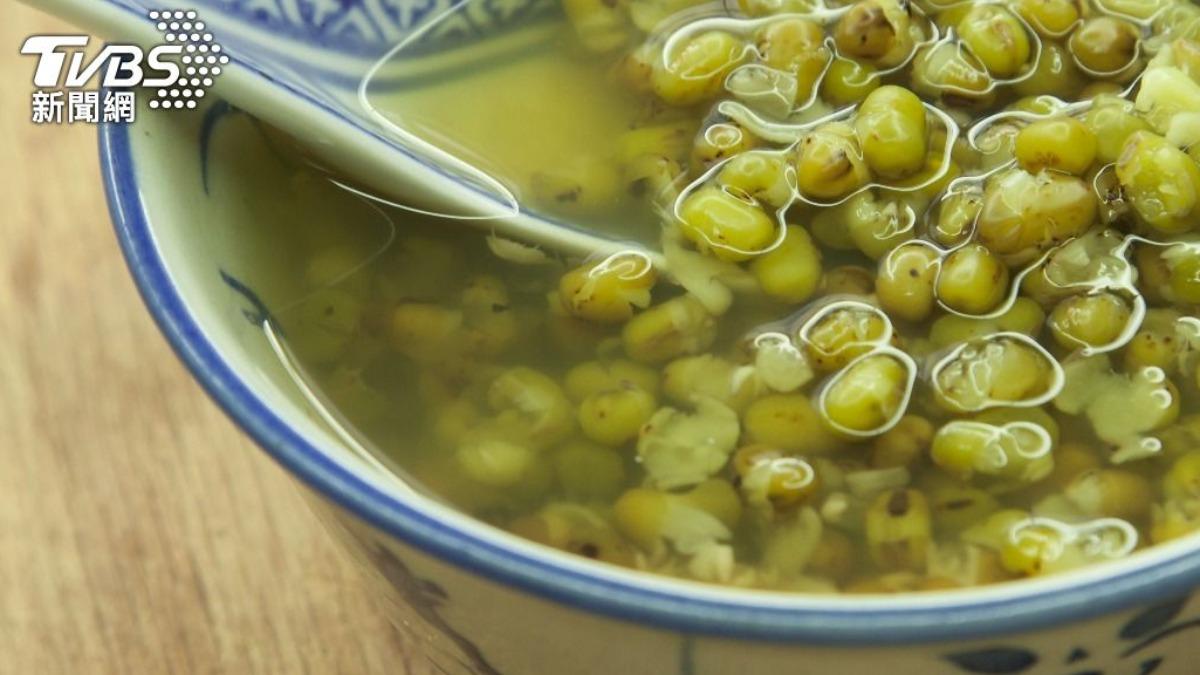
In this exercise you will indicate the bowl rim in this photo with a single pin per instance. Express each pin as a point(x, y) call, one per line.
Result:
point(748, 615)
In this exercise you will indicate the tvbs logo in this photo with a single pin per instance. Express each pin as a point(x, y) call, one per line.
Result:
point(178, 72)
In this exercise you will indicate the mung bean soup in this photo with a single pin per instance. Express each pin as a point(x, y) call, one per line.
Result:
point(925, 316)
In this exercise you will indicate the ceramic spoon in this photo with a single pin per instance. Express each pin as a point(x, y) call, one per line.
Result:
point(299, 65)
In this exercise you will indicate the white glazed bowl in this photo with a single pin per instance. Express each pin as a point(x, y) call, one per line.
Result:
point(482, 601)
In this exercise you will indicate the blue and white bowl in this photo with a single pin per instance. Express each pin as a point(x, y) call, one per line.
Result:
point(478, 600)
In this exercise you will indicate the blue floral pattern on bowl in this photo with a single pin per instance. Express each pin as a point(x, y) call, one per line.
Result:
point(1132, 646)
point(363, 26)
point(320, 49)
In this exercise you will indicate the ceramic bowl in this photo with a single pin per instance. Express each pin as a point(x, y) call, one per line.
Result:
point(186, 190)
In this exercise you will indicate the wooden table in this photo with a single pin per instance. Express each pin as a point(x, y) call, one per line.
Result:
point(140, 532)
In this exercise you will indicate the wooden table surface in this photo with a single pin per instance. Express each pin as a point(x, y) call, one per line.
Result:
point(140, 532)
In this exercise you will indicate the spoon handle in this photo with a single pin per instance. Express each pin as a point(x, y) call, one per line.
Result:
point(306, 84)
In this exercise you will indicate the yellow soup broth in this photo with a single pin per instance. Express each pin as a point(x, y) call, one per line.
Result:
point(924, 318)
